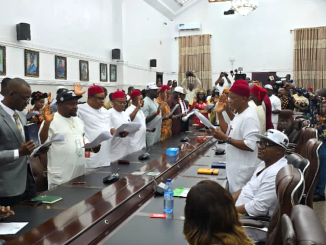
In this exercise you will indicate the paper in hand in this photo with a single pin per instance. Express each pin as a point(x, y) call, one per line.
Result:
point(130, 127)
point(154, 123)
point(55, 138)
point(209, 107)
point(174, 108)
point(188, 115)
point(204, 120)
point(105, 135)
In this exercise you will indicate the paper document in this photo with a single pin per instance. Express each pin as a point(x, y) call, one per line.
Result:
point(11, 228)
point(209, 107)
point(105, 135)
point(130, 127)
point(188, 115)
point(55, 138)
point(181, 192)
point(174, 108)
point(204, 120)
point(154, 123)
point(31, 114)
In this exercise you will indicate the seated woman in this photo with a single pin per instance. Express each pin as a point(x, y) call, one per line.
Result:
point(199, 103)
point(211, 217)
point(163, 94)
point(38, 101)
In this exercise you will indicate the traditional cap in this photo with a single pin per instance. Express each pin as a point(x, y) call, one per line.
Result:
point(61, 89)
point(241, 87)
point(135, 93)
point(95, 90)
point(37, 96)
point(268, 86)
point(164, 87)
point(179, 89)
point(150, 86)
point(299, 90)
point(67, 95)
point(118, 95)
point(226, 90)
point(309, 89)
point(276, 137)
point(258, 91)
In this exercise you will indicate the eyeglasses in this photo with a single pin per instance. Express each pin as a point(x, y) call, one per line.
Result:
point(265, 144)
point(23, 97)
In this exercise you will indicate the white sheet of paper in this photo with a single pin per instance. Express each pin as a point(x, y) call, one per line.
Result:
point(11, 228)
point(55, 138)
point(154, 122)
point(209, 107)
point(204, 120)
point(105, 135)
point(31, 114)
point(130, 127)
point(171, 112)
point(188, 115)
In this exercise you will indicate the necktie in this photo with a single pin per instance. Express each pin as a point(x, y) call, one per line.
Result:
point(18, 124)
point(184, 107)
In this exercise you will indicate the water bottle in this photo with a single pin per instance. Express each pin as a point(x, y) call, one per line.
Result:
point(168, 197)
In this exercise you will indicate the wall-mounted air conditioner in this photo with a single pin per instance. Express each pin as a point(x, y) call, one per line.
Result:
point(189, 26)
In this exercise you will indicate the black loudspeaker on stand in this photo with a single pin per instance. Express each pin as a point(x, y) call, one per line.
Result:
point(152, 63)
point(116, 54)
point(23, 31)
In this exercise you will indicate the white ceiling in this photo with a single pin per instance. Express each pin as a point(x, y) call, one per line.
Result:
point(170, 8)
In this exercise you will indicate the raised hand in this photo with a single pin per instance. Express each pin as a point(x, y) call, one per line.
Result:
point(78, 89)
point(50, 100)
point(48, 117)
point(195, 100)
point(221, 105)
point(140, 103)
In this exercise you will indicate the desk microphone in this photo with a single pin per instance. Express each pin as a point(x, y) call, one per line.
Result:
point(218, 151)
point(144, 156)
point(111, 178)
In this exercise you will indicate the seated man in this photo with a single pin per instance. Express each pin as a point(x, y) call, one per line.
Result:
point(258, 196)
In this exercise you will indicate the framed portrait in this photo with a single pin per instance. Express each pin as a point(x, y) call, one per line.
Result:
point(32, 63)
point(103, 72)
point(2, 60)
point(60, 67)
point(113, 73)
point(83, 70)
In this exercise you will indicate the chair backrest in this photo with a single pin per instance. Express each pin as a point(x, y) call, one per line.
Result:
point(307, 134)
point(312, 173)
point(306, 123)
point(285, 119)
point(297, 126)
point(303, 228)
point(288, 181)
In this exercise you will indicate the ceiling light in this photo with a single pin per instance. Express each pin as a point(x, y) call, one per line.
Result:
point(243, 7)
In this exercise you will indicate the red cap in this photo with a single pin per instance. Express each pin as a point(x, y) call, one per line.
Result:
point(164, 87)
point(259, 92)
point(95, 90)
point(241, 87)
point(309, 89)
point(118, 95)
point(135, 94)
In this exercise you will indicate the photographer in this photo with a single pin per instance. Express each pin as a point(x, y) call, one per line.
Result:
point(223, 82)
point(190, 91)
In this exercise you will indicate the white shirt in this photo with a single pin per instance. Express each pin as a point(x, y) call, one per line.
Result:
point(190, 95)
point(225, 85)
point(96, 122)
point(259, 194)
point(1, 97)
point(66, 159)
point(276, 105)
point(240, 164)
point(262, 119)
point(138, 140)
point(119, 146)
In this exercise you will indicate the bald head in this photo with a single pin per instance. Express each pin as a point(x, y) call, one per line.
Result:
point(19, 93)
point(4, 86)
point(16, 84)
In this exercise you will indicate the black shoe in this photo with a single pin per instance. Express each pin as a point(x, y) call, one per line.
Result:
point(319, 198)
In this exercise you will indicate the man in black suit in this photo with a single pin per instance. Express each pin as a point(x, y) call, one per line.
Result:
point(184, 104)
point(14, 167)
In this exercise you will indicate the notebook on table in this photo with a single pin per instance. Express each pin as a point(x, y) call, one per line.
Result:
point(47, 199)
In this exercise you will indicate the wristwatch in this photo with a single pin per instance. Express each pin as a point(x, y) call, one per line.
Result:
point(228, 141)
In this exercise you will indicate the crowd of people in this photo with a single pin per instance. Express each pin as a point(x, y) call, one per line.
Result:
point(246, 113)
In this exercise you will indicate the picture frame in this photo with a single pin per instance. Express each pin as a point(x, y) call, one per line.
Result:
point(83, 70)
point(113, 73)
point(60, 64)
point(2, 60)
point(32, 63)
point(103, 72)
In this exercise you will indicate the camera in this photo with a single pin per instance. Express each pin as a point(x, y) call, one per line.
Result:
point(225, 74)
point(189, 74)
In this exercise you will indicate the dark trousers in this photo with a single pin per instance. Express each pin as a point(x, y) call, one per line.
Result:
point(320, 188)
point(184, 126)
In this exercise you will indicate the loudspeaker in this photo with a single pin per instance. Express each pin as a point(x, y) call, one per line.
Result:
point(152, 63)
point(116, 54)
point(23, 31)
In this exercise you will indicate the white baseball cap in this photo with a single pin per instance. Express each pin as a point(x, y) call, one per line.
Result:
point(276, 137)
point(150, 86)
point(179, 89)
point(268, 86)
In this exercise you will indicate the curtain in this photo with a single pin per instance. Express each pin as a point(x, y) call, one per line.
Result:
point(195, 55)
point(310, 57)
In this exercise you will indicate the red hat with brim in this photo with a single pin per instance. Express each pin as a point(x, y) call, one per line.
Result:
point(259, 92)
point(95, 90)
point(241, 87)
point(135, 94)
point(118, 95)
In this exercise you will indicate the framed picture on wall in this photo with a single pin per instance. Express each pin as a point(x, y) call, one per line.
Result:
point(83, 70)
point(32, 63)
point(60, 67)
point(2, 60)
point(113, 73)
point(103, 72)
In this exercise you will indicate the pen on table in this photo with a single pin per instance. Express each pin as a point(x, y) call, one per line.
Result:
point(79, 183)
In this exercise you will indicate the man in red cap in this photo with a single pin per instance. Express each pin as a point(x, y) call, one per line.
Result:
point(138, 141)
point(257, 95)
point(240, 135)
point(117, 117)
point(96, 120)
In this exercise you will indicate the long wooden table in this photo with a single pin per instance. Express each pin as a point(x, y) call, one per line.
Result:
point(88, 214)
